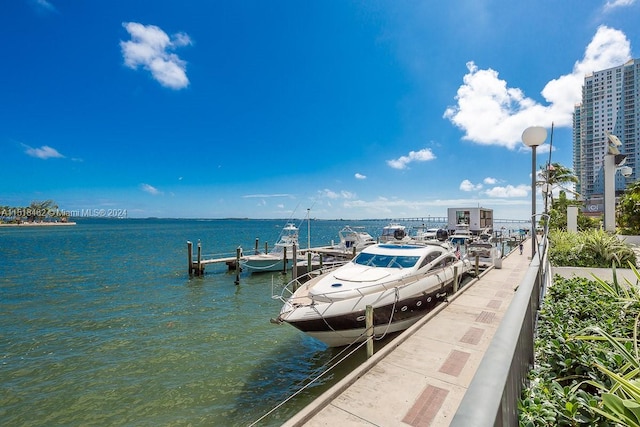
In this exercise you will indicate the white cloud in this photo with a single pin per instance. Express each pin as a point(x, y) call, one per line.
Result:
point(508, 191)
point(149, 47)
point(467, 185)
point(329, 194)
point(613, 4)
point(251, 196)
point(360, 176)
point(347, 194)
point(149, 189)
point(423, 155)
point(491, 113)
point(43, 5)
point(44, 152)
point(490, 181)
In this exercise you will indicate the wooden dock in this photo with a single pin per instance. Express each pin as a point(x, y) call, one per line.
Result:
point(197, 266)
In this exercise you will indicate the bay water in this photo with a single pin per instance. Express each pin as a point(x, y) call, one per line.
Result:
point(100, 324)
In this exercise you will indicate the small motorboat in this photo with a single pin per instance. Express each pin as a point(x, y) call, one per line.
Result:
point(461, 236)
point(354, 238)
point(274, 260)
point(486, 252)
point(394, 233)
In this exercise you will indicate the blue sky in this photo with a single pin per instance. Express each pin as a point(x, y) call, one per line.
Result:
point(263, 109)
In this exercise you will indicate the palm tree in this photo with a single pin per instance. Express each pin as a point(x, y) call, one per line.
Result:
point(556, 174)
point(40, 210)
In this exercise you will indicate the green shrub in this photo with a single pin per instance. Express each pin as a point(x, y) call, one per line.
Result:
point(590, 248)
point(564, 386)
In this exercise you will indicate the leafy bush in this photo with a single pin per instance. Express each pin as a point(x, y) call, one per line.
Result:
point(628, 210)
point(565, 384)
point(590, 248)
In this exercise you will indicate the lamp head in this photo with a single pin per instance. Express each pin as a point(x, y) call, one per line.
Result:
point(626, 171)
point(534, 136)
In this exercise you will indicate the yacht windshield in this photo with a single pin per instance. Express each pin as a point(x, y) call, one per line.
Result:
point(388, 261)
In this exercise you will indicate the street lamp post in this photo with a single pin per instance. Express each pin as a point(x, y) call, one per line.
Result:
point(532, 137)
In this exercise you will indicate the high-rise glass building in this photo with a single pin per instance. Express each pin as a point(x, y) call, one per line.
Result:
point(610, 105)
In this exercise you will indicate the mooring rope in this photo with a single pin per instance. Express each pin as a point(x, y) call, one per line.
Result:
point(313, 380)
point(265, 267)
point(393, 310)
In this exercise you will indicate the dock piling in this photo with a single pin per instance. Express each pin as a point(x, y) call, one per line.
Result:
point(200, 271)
point(238, 252)
point(369, 325)
point(477, 265)
point(190, 256)
point(294, 262)
point(455, 279)
point(284, 261)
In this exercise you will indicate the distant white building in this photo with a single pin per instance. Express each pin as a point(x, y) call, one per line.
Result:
point(478, 219)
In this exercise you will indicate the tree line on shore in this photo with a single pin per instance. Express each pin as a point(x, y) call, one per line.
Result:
point(37, 211)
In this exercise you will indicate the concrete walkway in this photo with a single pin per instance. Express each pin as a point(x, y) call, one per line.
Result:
point(420, 378)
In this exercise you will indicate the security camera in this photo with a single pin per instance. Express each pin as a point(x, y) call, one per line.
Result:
point(626, 171)
point(614, 139)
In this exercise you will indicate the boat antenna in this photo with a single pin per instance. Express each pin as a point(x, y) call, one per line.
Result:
point(308, 228)
point(308, 223)
point(546, 195)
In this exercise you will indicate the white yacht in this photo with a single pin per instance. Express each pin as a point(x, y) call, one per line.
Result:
point(402, 282)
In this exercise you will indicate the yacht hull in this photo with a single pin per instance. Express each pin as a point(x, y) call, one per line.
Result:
point(349, 327)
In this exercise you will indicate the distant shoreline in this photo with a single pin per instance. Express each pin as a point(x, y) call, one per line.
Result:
point(37, 224)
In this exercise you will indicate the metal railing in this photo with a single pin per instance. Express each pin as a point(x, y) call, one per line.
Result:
point(492, 397)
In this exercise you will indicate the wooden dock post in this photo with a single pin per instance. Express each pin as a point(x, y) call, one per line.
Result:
point(309, 266)
point(200, 271)
point(477, 265)
point(294, 262)
point(455, 279)
point(368, 315)
point(190, 256)
point(257, 243)
point(238, 251)
point(284, 261)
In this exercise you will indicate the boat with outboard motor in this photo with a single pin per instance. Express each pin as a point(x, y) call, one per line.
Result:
point(394, 233)
point(461, 236)
point(354, 238)
point(486, 252)
point(274, 260)
point(402, 282)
